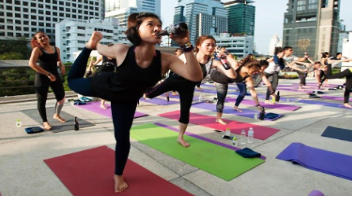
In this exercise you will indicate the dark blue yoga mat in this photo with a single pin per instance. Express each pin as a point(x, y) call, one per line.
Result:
point(324, 161)
point(337, 133)
point(229, 110)
point(322, 103)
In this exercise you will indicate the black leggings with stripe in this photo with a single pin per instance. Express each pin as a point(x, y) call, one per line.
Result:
point(185, 89)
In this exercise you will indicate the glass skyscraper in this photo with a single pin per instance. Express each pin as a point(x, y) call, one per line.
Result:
point(241, 17)
point(202, 17)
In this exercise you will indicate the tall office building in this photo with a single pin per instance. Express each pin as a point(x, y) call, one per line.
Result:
point(121, 9)
point(241, 17)
point(312, 26)
point(72, 35)
point(22, 18)
point(202, 17)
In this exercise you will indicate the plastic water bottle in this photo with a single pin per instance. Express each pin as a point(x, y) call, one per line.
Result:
point(200, 98)
point(228, 132)
point(18, 123)
point(234, 141)
point(243, 137)
point(250, 135)
point(316, 91)
point(255, 116)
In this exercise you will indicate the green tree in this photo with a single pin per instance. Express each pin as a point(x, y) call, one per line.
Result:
point(19, 46)
point(11, 56)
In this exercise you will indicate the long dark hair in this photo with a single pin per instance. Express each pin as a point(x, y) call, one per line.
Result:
point(134, 21)
point(201, 39)
point(250, 63)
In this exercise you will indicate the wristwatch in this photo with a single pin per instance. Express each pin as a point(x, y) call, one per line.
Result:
point(186, 45)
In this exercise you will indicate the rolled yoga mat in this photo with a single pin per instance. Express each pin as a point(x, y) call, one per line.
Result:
point(269, 106)
point(90, 173)
point(324, 161)
point(219, 161)
point(260, 132)
point(338, 133)
point(56, 125)
point(95, 107)
point(229, 110)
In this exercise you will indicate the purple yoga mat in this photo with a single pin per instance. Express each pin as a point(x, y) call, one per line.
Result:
point(333, 98)
point(229, 110)
point(316, 193)
point(324, 161)
point(204, 138)
point(159, 101)
point(273, 106)
point(294, 90)
point(95, 107)
point(323, 103)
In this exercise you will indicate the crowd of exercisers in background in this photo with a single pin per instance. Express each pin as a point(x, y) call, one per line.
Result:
point(130, 71)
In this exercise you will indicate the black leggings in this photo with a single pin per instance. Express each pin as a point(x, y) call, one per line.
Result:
point(221, 91)
point(42, 84)
point(348, 74)
point(323, 76)
point(122, 114)
point(274, 80)
point(185, 90)
point(243, 91)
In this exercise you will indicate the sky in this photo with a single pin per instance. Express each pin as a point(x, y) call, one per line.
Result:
point(268, 19)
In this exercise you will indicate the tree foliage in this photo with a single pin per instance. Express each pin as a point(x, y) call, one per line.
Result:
point(20, 46)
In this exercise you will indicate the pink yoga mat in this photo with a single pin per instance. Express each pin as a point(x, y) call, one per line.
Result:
point(271, 106)
point(90, 173)
point(260, 132)
point(95, 107)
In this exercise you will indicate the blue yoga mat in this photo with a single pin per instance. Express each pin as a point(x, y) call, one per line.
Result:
point(229, 110)
point(324, 161)
point(337, 133)
point(322, 103)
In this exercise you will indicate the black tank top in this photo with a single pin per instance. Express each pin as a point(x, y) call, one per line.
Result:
point(128, 83)
point(49, 62)
point(219, 77)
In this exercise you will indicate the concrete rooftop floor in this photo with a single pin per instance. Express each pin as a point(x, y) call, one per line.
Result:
point(23, 171)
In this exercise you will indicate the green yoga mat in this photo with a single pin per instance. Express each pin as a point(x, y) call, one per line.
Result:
point(214, 159)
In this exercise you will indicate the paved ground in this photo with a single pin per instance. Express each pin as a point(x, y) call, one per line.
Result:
point(23, 172)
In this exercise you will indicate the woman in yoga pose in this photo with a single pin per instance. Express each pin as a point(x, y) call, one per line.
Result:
point(205, 46)
point(139, 67)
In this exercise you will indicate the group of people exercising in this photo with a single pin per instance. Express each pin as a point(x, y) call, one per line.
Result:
point(132, 71)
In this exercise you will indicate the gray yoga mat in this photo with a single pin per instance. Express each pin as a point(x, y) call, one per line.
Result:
point(56, 125)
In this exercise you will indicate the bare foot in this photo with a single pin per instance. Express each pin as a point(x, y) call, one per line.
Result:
point(104, 107)
point(174, 93)
point(300, 88)
point(220, 121)
point(267, 102)
point(183, 142)
point(237, 109)
point(46, 126)
point(120, 184)
point(347, 105)
point(198, 88)
point(60, 119)
point(93, 41)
